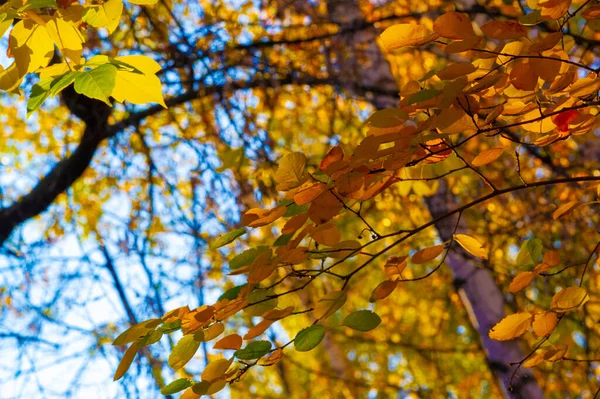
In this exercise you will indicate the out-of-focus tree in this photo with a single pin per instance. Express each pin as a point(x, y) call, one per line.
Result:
point(328, 198)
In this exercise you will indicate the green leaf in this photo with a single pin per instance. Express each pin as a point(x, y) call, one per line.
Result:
point(246, 257)
point(262, 303)
point(39, 93)
point(309, 338)
point(295, 209)
point(362, 320)
point(530, 252)
point(282, 240)
point(176, 386)
point(422, 95)
point(126, 361)
point(35, 4)
point(227, 238)
point(531, 19)
point(254, 350)
point(535, 247)
point(97, 83)
point(60, 82)
point(170, 327)
point(182, 352)
point(232, 293)
point(151, 338)
point(429, 75)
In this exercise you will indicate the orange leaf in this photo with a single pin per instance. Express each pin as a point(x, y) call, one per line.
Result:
point(487, 156)
point(565, 209)
point(426, 254)
point(521, 281)
point(294, 223)
point(453, 25)
point(261, 217)
point(334, 155)
point(544, 323)
point(327, 234)
point(504, 30)
point(383, 290)
point(308, 192)
point(232, 341)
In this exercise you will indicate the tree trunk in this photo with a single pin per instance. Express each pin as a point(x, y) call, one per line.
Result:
point(481, 296)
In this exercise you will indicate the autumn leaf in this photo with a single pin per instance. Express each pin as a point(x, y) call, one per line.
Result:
point(126, 361)
point(426, 254)
point(521, 281)
point(329, 304)
point(233, 341)
point(511, 327)
point(487, 156)
point(403, 35)
point(183, 351)
point(504, 30)
point(215, 369)
point(453, 25)
point(544, 323)
point(568, 299)
point(471, 245)
point(291, 172)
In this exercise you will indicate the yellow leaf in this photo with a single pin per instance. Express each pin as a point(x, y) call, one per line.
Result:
point(10, 78)
point(66, 36)
point(106, 15)
point(216, 369)
point(291, 172)
point(544, 323)
point(521, 281)
point(138, 88)
point(426, 254)
point(126, 361)
point(213, 331)
point(402, 35)
point(568, 299)
point(487, 156)
point(471, 245)
point(31, 45)
point(143, 2)
point(453, 25)
point(511, 327)
point(584, 87)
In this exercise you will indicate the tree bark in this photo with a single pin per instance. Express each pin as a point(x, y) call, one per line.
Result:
point(480, 294)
